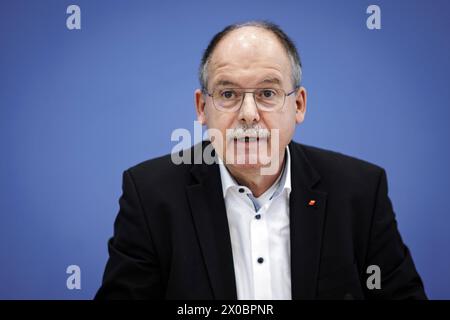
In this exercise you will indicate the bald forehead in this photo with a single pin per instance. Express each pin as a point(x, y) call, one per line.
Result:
point(248, 49)
point(248, 36)
point(251, 42)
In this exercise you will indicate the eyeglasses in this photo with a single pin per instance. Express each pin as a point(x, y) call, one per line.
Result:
point(266, 99)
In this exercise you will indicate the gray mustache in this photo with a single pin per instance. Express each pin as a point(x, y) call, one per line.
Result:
point(249, 132)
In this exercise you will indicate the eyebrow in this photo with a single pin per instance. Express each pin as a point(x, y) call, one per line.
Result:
point(226, 83)
point(271, 81)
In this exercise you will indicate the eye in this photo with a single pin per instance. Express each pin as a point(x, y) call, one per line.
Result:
point(228, 94)
point(267, 93)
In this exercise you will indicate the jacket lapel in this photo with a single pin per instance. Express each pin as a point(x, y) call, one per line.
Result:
point(211, 223)
point(307, 211)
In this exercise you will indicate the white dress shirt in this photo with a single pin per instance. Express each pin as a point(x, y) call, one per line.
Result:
point(260, 236)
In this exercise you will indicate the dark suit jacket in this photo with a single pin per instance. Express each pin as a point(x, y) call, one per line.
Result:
point(171, 238)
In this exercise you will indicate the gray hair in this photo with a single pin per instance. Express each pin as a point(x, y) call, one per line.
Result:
point(287, 43)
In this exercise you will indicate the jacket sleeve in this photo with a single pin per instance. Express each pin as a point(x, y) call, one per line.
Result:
point(399, 278)
point(132, 270)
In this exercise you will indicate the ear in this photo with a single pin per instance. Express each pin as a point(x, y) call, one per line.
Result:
point(300, 103)
point(200, 104)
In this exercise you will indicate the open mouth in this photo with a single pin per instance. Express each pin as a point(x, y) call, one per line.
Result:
point(247, 139)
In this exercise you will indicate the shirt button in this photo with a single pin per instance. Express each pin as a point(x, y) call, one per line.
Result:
point(260, 260)
point(241, 190)
point(258, 216)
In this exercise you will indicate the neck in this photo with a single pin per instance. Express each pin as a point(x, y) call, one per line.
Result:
point(252, 178)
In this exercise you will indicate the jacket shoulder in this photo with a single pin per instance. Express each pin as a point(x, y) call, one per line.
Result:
point(161, 172)
point(338, 166)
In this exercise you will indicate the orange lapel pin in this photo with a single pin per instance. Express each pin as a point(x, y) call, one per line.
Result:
point(312, 203)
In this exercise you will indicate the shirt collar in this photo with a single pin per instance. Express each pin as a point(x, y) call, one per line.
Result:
point(284, 183)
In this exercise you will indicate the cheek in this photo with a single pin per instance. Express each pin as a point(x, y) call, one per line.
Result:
point(284, 122)
point(290, 118)
point(220, 120)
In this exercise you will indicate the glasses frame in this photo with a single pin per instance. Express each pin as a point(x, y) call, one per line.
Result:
point(235, 109)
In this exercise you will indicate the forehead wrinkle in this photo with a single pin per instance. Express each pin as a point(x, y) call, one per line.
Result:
point(259, 70)
point(225, 76)
point(247, 62)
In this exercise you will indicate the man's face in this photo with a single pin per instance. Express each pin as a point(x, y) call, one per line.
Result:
point(250, 57)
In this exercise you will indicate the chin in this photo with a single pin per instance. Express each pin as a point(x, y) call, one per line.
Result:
point(248, 160)
point(247, 166)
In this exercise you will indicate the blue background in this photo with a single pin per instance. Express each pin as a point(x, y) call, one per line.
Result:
point(78, 107)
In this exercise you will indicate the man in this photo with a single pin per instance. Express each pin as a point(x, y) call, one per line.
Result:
point(309, 228)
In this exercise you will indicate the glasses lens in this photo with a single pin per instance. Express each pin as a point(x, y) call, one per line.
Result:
point(227, 99)
point(269, 99)
point(230, 99)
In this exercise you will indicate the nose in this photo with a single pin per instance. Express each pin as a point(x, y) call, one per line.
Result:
point(249, 112)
